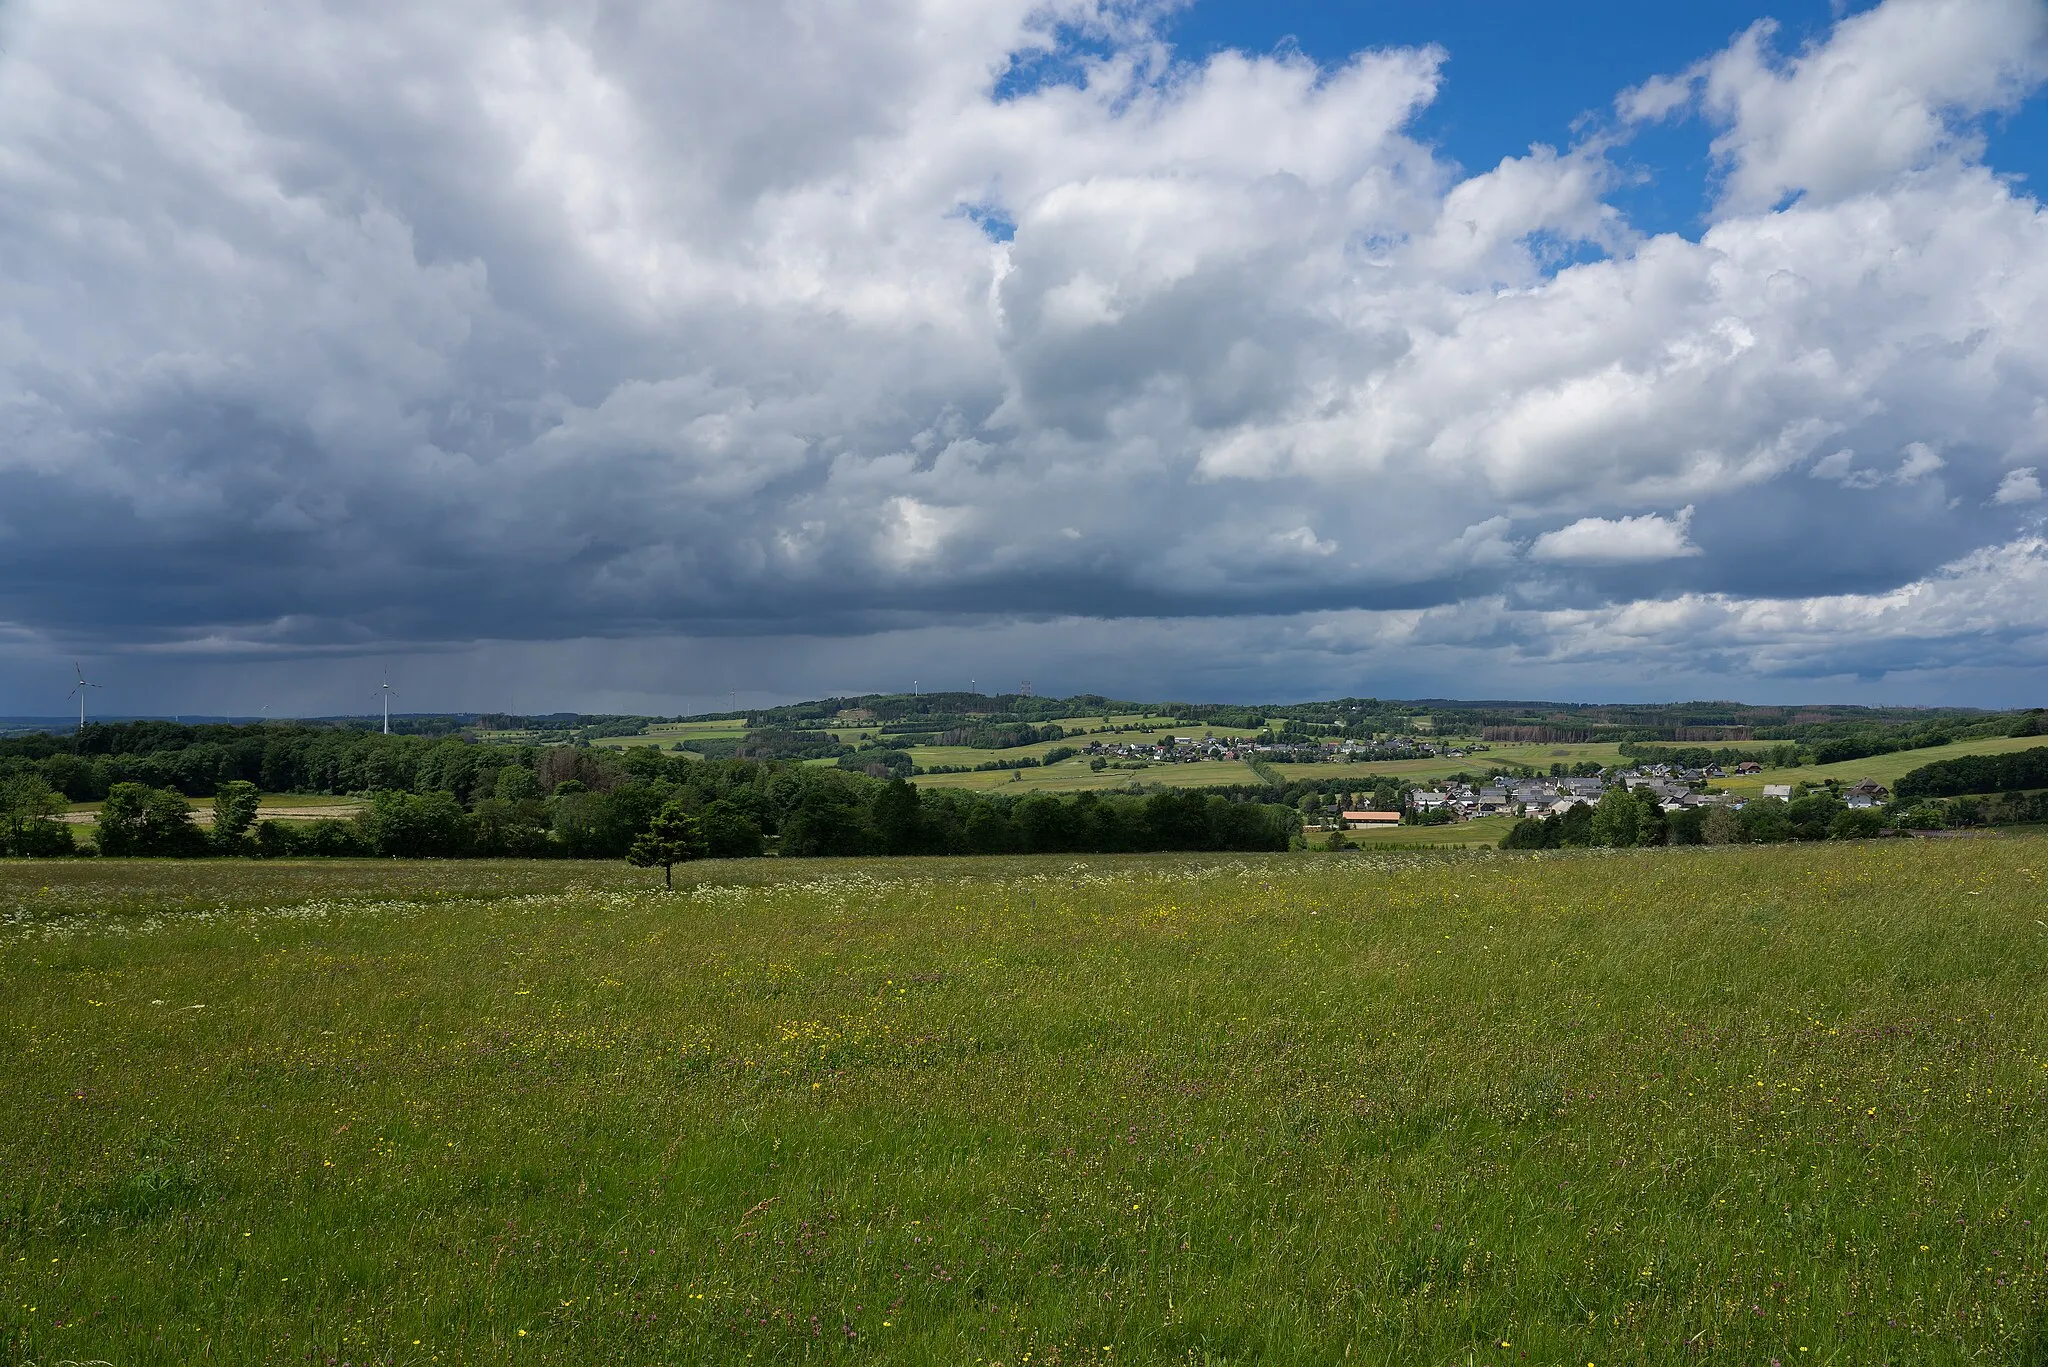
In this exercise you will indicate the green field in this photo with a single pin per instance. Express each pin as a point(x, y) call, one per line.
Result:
point(1496, 757)
point(1886, 769)
point(1074, 775)
point(1485, 832)
point(1147, 729)
point(271, 807)
point(1676, 1106)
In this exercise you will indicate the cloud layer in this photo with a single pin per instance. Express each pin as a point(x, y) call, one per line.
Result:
point(343, 329)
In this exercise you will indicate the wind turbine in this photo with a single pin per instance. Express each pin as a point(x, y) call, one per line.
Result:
point(385, 689)
point(78, 692)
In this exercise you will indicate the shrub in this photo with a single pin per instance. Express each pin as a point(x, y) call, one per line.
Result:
point(42, 839)
point(416, 826)
point(142, 821)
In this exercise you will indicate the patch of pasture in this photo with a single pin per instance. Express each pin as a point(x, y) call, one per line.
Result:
point(1485, 832)
point(1886, 769)
point(1496, 757)
point(1669, 1106)
point(1074, 776)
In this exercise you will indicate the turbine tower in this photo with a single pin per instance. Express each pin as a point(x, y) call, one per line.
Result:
point(78, 692)
point(385, 689)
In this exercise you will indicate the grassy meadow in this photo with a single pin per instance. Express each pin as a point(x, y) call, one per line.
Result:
point(1886, 769)
point(1074, 775)
point(1497, 755)
point(1480, 832)
point(1775, 1104)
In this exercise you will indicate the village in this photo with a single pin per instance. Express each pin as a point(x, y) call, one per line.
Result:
point(1305, 750)
point(1675, 788)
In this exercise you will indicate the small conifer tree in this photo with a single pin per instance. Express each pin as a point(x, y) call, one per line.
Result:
point(672, 838)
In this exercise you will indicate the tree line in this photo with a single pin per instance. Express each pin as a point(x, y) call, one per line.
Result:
point(451, 799)
point(2015, 772)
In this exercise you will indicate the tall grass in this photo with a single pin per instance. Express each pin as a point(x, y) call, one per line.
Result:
point(1653, 1106)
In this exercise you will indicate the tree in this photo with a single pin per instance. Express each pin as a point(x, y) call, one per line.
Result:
point(1617, 819)
point(672, 838)
point(139, 820)
point(729, 833)
point(1764, 822)
point(1856, 823)
point(1651, 826)
point(234, 812)
point(28, 811)
point(1720, 826)
point(1812, 816)
point(894, 813)
point(1923, 816)
point(1575, 827)
point(416, 826)
point(1687, 827)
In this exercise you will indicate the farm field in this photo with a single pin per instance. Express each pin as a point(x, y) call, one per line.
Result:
point(1886, 769)
point(1485, 832)
point(271, 807)
point(1141, 728)
point(1668, 1106)
point(1498, 755)
point(926, 755)
point(1074, 775)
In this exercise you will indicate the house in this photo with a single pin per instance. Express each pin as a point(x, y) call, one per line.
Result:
point(1870, 788)
point(1778, 790)
point(1749, 766)
point(1356, 820)
point(1424, 801)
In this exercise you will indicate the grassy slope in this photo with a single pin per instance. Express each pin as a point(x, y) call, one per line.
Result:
point(1074, 775)
point(1485, 832)
point(1886, 769)
point(1496, 756)
point(1672, 1106)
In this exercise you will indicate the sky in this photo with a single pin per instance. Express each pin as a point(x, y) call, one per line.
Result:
point(634, 355)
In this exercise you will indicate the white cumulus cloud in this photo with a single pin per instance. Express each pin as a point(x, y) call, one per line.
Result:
point(2019, 486)
point(1617, 541)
